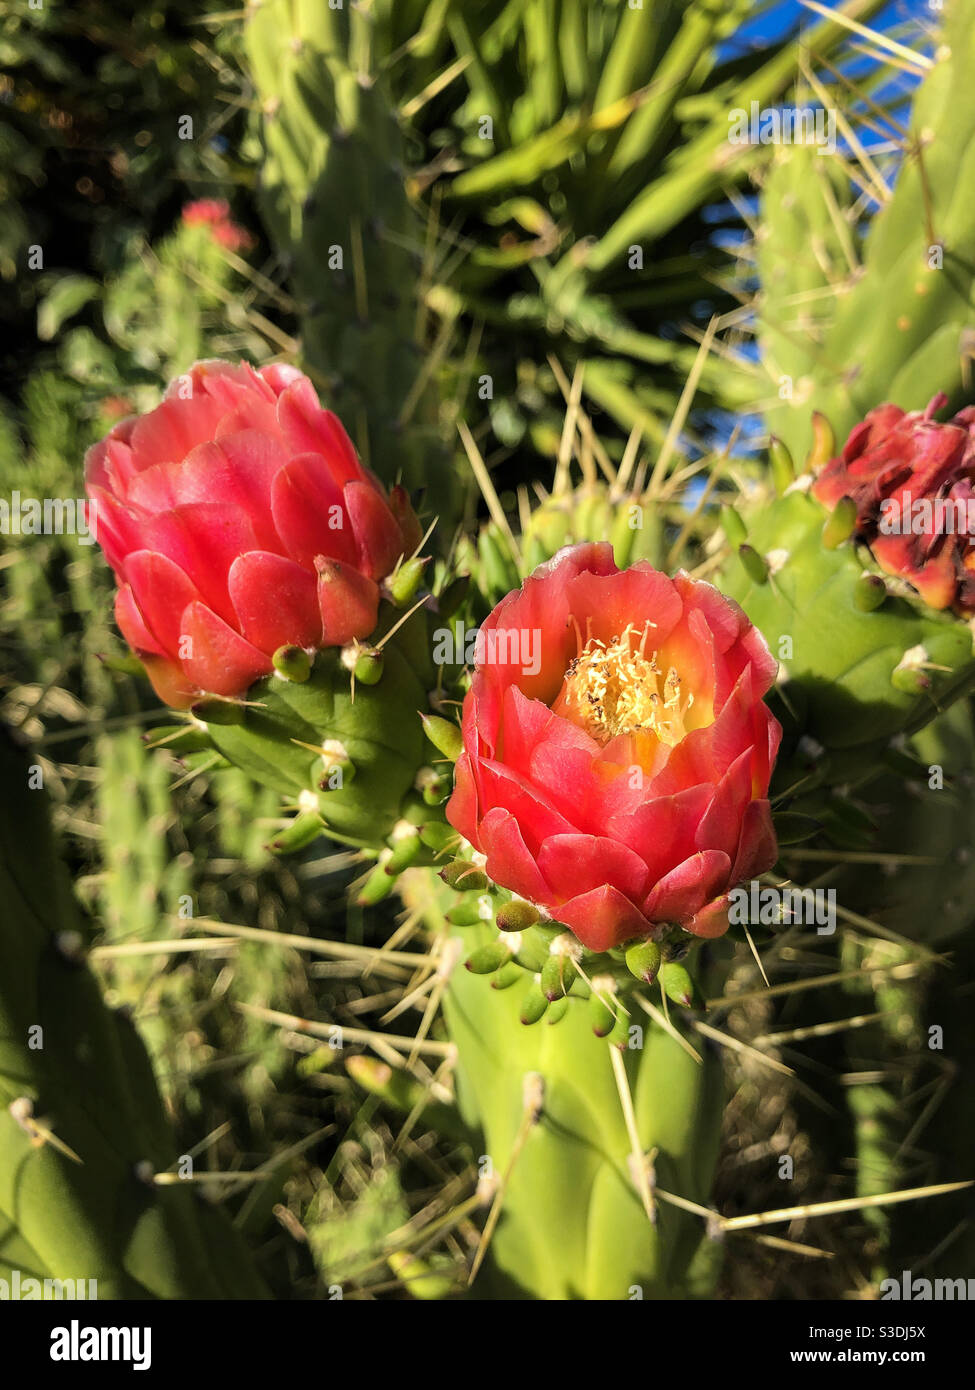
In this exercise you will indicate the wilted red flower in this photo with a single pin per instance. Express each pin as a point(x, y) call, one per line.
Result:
point(238, 519)
point(623, 784)
point(911, 480)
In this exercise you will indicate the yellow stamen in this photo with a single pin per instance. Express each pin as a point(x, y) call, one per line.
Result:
point(610, 689)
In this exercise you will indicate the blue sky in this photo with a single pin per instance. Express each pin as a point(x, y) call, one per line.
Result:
point(786, 16)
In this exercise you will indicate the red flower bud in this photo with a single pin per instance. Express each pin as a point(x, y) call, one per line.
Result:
point(238, 519)
point(617, 753)
point(911, 479)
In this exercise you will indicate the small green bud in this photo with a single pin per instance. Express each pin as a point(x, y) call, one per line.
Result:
point(643, 960)
point(486, 959)
point(338, 770)
point(517, 916)
point(780, 462)
point(676, 983)
point(377, 886)
point(602, 1014)
point(753, 564)
point(824, 443)
point(840, 524)
point(406, 847)
point(534, 1004)
point(432, 785)
point(507, 976)
point(619, 1034)
point(557, 975)
point(437, 835)
point(733, 527)
point(369, 666)
point(305, 828)
point(908, 675)
point(444, 735)
point(293, 663)
point(869, 592)
point(464, 876)
point(909, 680)
point(405, 581)
point(557, 1010)
point(465, 914)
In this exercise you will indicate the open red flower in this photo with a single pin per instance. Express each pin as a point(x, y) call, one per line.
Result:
point(238, 519)
point(911, 479)
point(617, 753)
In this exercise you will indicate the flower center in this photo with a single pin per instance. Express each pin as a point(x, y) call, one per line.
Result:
point(613, 688)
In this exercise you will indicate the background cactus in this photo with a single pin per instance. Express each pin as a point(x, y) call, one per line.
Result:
point(334, 194)
point(538, 1086)
point(83, 1129)
point(860, 306)
point(854, 671)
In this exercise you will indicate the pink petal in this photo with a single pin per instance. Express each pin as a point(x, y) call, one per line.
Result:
point(574, 864)
point(168, 433)
point(109, 465)
point(604, 605)
point(461, 809)
point(132, 625)
point(535, 814)
point(227, 384)
point(720, 827)
point(377, 535)
point(162, 591)
point(276, 601)
point(509, 861)
point(170, 682)
point(711, 921)
point(204, 539)
point(758, 847)
point(662, 831)
point(348, 602)
point(220, 661)
point(279, 376)
point(309, 513)
point(685, 890)
point(310, 429)
point(603, 918)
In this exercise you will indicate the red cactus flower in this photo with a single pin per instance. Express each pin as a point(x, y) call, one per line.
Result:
point(911, 478)
point(617, 752)
point(214, 213)
point(204, 212)
point(238, 519)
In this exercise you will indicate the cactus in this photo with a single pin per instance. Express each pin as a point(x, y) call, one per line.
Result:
point(859, 662)
point(923, 807)
point(344, 751)
point(536, 1082)
point(333, 192)
point(82, 1129)
point(889, 313)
